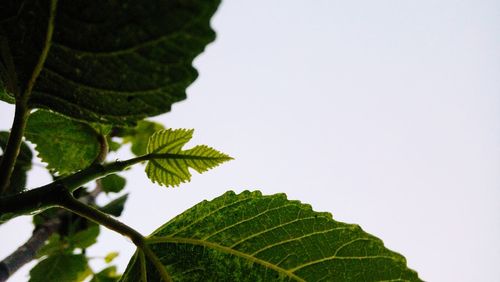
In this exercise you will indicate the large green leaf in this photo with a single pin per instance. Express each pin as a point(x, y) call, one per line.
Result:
point(250, 237)
point(64, 144)
point(108, 61)
point(173, 166)
point(22, 166)
point(64, 267)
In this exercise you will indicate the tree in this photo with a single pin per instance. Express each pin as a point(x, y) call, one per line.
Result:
point(95, 72)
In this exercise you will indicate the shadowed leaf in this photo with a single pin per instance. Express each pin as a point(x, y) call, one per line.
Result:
point(106, 275)
point(116, 206)
point(112, 183)
point(64, 267)
point(109, 61)
point(85, 238)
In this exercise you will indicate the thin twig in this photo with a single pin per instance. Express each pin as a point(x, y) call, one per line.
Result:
point(70, 203)
point(27, 252)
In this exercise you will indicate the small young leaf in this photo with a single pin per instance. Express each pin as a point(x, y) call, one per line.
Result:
point(112, 183)
point(250, 237)
point(110, 257)
point(66, 267)
point(64, 144)
point(22, 166)
point(116, 206)
point(173, 168)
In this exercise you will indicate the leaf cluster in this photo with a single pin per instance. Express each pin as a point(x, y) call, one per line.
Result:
point(84, 76)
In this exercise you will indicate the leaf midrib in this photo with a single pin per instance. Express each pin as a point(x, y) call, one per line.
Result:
point(188, 157)
point(224, 249)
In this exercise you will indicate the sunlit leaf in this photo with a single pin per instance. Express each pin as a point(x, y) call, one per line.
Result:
point(64, 144)
point(250, 237)
point(110, 257)
point(173, 166)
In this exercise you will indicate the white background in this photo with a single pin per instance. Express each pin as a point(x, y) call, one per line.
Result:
point(384, 113)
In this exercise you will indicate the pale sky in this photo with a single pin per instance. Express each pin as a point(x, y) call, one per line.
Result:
point(384, 113)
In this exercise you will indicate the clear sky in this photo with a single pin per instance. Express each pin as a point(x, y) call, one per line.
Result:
point(384, 113)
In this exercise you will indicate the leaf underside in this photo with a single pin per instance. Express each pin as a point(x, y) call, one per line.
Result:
point(173, 168)
point(109, 61)
point(64, 267)
point(250, 237)
point(64, 144)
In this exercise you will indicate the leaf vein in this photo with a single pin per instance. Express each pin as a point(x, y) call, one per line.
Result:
point(224, 249)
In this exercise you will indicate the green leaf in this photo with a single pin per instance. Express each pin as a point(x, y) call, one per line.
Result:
point(103, 129)
point(109, 61)
point(59, 268)
point(85, 238)
point(173, 168)
point(22, 166)
point(250, 237)
point(106, 275)
point(4, 96)
point(53, 246)
point(116, 206)
point(113, 145)
point(139, 135)
point(110, 257)
point(64, 144)
point(112, 183)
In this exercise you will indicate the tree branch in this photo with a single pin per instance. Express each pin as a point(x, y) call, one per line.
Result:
point(70, 203)
point(42, 232)
point(48, 195)
point(28, 250)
